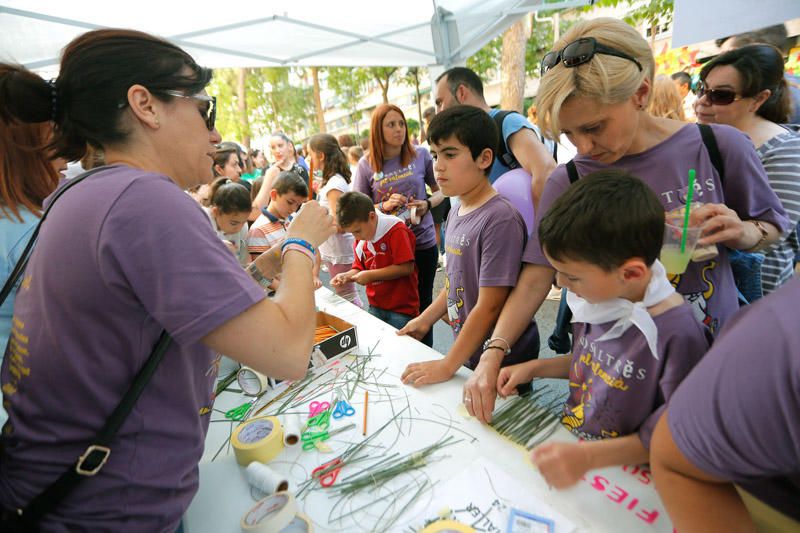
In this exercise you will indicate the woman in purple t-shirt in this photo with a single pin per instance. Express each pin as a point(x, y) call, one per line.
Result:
point(394, 175)
point(134, 256)
point(595, 88)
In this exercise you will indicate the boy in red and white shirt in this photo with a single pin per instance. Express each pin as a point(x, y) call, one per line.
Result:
point(384, 259)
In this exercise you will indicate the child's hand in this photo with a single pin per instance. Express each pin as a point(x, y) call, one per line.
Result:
point(339, 280)
point(561, 464)
point(511, 376)
point(362, 278)
point(415, 328)
point(317, 283)
point(427, 373)
point(394, 201)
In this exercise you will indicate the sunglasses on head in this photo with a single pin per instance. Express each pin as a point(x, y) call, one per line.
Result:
point(209, 114)
point(580, 52)
point(717, 96)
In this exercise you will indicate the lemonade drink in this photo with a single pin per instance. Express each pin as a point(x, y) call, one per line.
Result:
point(673, 260)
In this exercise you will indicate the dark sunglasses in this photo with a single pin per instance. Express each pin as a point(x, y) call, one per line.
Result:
point(580, 52)
point(209, 114)
point(717, 96)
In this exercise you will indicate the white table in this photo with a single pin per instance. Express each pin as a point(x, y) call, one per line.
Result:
point(614, 499)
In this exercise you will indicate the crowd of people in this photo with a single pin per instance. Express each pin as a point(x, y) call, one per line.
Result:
point(178, 242)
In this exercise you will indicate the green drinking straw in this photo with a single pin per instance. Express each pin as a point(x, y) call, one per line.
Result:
point(689, 195)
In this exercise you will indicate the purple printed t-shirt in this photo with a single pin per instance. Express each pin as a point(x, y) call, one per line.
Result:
point(484, 249)
point(736, 415)
point(407, 180)
point(708, 286)
point(121, 256)
point(617, 387)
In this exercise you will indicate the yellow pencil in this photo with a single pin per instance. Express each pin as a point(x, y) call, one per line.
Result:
point(366, 400)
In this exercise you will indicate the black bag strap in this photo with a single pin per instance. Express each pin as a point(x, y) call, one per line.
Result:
point(710, 141)
point(97, 453)
point(572, 172)
point(503, 153)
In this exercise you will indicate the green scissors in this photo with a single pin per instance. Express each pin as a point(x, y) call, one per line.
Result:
point(311, 438)
point(238, 413)
point(321, 422)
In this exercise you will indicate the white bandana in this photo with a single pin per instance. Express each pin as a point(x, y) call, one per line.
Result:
point(385, 223)
point(625, 312)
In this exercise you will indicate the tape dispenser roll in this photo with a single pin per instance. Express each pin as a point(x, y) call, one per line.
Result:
point(259, 439)
point(251, 382)
point(273, 513)
point(447, 526)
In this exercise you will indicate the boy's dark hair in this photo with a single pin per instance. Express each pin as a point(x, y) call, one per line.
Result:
point(606, 218)
point(472, 126)
point(462, 76)
point(229, 196)
point(290, 181)
point(353, 207)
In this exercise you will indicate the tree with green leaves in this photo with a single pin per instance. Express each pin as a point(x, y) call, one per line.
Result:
point(651, 12)
point(269, 101)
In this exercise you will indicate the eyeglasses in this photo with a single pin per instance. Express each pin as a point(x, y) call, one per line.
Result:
point(717, 96)
point(580, 52)
point(209, 114)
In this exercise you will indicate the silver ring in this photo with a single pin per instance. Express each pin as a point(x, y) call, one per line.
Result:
point(467, 400)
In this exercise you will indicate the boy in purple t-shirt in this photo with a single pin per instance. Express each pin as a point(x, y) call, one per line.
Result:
point(634, 337)
point(485, 239)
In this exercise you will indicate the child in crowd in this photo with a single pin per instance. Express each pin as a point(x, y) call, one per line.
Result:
point(354, 155)
point(634, 338)
point(485, 238)
point(229, 207)
point(328, 160)
point(384, 259)
point(288, 192)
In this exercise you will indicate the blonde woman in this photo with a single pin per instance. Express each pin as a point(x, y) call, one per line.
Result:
point(666, 101)
point(595, 88)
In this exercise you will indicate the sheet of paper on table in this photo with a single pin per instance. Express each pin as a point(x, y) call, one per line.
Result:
point(482, 497)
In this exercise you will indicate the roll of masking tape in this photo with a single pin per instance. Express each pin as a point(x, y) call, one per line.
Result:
point(447, 526)
point(251, 382)
point(258, 439)
point(273, 513)
point(300, 524)
point(293, 430)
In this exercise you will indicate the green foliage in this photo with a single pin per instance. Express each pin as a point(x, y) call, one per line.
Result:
point(412, 125)
point(651, 12)
point(272, 102)
point(486, 61)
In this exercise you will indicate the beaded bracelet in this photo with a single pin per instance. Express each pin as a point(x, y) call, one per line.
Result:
point(291, 247)
point(294, 240)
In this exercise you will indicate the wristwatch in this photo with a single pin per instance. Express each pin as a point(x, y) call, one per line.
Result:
point(256, 274)
point(764, 234)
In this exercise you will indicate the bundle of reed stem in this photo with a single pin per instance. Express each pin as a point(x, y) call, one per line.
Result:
point(525, 421)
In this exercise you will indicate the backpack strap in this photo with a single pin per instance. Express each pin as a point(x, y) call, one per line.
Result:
point(572, 171)
point(710, 142)
point(503, 154)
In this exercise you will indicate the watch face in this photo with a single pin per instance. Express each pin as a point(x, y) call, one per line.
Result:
point(249, 382)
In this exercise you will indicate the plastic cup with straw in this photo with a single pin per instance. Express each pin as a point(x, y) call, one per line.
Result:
point(680, 241)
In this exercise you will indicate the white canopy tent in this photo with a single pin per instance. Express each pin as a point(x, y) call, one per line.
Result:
point(255, 33)
point(696, 21)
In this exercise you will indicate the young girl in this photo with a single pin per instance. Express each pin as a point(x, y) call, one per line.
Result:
point(328, 160)
point(229, 207)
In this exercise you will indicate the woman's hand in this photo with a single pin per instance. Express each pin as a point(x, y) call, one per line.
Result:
point(421, 205)
point(720, 224)
point(313, 223)
point(480, 390)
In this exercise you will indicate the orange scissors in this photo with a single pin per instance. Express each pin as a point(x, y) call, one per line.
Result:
point(328, 472)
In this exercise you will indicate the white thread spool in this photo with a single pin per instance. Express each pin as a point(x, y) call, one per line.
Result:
point(263, 478)
point(293, 430)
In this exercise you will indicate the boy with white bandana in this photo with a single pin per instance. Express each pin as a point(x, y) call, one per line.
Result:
point(634, 337)
point(384, 259)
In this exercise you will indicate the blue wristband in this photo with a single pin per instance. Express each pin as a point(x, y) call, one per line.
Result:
point(301, 242)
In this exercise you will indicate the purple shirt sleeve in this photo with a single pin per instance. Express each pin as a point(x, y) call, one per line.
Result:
point(735, 416)
point(428, 162)
point(555, 186)
point(164, 269)
point(746, 187)
point(362, 181)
